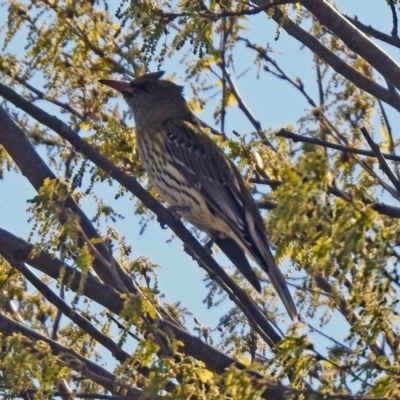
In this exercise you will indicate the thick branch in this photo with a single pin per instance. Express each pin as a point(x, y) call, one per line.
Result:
point(36, 171)
point(106, 296)
point(74, 360)
point(354, 39)
point(340, 66)
point(15, 248)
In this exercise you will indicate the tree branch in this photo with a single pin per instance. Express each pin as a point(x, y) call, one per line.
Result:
point(242, 105)
point(354, 39)
point(340, 66)
point(212, 16)
point(394, 18)
point(262, 53)
point(369, 30)
point(74, 360)
point(383, 165)
point(16, 248)
point(36, 171)
point(72, 314)
point(318, 142)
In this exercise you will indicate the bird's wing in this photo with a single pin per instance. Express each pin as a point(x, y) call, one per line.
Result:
point(206, 167)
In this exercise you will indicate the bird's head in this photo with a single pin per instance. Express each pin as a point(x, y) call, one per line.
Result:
point(150, 98)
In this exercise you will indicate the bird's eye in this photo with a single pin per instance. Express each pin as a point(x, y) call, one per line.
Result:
point(150, 86)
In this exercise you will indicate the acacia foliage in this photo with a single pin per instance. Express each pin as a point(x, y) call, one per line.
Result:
point(329, 179)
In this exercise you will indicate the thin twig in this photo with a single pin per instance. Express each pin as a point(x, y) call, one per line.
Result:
point(42, 96)
point(212, 130)
point(383, 165)
point(390, 134)
point(273, 183)
point(319, 82)
point(394, 18)
point(369, 30)
point(340, 66)
point(305, 139)
point(212, 16)
point(388, 127)
point(223, 63)
point(262, 53)
point(242, 105)
point(122, 327)
point(266, 205)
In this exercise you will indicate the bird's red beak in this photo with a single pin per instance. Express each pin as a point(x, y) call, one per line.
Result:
point(120, 86)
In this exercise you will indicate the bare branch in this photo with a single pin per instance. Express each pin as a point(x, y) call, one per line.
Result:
point(262, 53)
point(340, 66)
point(242, 105)
point(382, 162)
point(369, 30)
point(394, 18)
point(41, 95)
point(305, 139)
point(223, 67)
point(355, 40)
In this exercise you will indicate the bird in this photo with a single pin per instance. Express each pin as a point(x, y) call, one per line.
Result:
point(195, 177)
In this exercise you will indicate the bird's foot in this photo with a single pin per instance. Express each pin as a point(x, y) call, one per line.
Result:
point(175, 211)
point(208, 246)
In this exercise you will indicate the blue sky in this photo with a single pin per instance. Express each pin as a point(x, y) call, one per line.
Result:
point(180, 277)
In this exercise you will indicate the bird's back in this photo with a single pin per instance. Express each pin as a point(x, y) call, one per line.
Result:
point(173, 186)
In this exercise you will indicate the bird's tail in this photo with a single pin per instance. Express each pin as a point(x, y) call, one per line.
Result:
point(278, 281)
point(254, 239)
point(235, 253)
